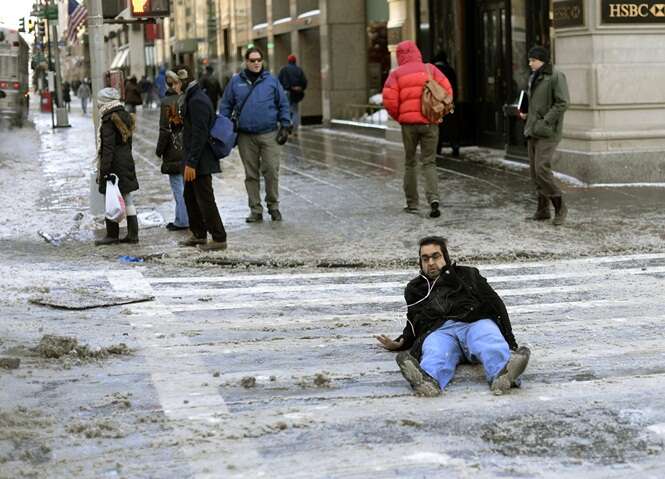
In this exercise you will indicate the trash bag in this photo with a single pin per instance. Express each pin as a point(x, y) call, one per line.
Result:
point(115, 204)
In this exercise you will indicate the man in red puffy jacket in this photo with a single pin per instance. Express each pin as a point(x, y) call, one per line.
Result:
point(401, 97)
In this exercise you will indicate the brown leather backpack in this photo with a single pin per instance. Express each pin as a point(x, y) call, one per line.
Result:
point(435, 102)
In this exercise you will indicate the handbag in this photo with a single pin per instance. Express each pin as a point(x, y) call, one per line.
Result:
point(115, 204)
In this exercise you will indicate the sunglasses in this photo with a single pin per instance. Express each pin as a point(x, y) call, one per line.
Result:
point(255, 60)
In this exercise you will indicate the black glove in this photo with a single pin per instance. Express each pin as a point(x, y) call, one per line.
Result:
point(282, 135)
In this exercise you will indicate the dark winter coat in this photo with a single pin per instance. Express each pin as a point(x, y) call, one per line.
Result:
point(460, 294)
point(293, 80)
point(116, 150)
point(212, 88)
point(265, 109)
point(132, 94)
point(199, 117)
point(548, 101)
point(66, 93)
point(169, 143)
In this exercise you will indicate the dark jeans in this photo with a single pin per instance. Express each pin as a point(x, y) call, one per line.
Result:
point(202, 209)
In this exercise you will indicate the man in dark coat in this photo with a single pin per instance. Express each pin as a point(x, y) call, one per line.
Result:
point(132, 95)
point(170, 149)
point(454, 315)
point(548, 101)
point(294, 81)
point(200, 164)
point(450, 128)
point(114, 157)
point(211, 86)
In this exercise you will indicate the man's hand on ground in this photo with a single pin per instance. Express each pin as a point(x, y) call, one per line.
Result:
point(388, 343)
point(190, 173)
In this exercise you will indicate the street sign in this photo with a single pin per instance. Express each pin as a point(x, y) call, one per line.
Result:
point(51, 12)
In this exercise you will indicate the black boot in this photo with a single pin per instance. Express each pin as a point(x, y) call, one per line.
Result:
point(132, 230)
point(543, 210)
point(112, 233)
point(560, 210)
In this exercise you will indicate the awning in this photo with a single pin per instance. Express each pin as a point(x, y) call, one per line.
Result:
point(120, 59)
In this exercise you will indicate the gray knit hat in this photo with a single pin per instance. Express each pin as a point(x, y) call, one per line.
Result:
point(107, 95)
point(539, 53)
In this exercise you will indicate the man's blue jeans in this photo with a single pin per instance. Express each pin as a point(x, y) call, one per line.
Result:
point(295, 114)
point(455, 341)
point(178, 187)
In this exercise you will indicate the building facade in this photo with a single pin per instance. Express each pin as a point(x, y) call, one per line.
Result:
point(611, 52)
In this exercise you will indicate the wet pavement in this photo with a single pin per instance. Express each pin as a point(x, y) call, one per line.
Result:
point(260, 361)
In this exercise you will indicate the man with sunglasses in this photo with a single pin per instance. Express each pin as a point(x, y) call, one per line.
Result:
point(454, 315)
point(255, 100)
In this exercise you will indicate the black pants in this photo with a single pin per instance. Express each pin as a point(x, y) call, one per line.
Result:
point(202, 209)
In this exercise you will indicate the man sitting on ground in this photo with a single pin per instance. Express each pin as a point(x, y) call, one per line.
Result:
point(454, 315)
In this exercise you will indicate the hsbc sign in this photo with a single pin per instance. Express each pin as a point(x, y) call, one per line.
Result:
point(633, 11)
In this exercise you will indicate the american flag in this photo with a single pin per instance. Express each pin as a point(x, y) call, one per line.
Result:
point(77, 16)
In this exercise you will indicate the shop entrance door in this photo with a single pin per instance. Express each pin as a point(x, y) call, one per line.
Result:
point(492, 54)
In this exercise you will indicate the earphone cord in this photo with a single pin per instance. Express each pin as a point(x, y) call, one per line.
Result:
point(430, 287)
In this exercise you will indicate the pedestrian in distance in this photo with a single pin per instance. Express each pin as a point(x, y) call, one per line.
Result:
point(454, 316)
point(211, 86)
point(160, 82)
point(548, 101)
point(200, 164)
point(132, 95)
point(145, 87)
point(451, 127)
point(114, 137)
point(66, 95)
point(84, 93)
point(255, 100)
point(170, 149)
point(402, 94)
point(294, 82)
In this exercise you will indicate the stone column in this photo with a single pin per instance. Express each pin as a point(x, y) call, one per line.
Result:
point(343, 55)
point(401, 26)
point(614, 130)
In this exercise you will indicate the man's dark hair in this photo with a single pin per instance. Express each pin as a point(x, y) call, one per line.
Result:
point(253, 50)
point(436, 240)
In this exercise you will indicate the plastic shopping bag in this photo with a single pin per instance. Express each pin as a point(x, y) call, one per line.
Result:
point(115, 204)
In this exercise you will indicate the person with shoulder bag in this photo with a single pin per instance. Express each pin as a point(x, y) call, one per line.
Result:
point(417, 96)
point(114, 157)
point(255, 100)
point(548, 101)
point(170, 149)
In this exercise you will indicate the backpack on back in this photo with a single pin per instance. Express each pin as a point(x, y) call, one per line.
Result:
point(435, 102)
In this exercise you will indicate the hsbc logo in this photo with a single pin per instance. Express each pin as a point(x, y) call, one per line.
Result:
point(636, 10)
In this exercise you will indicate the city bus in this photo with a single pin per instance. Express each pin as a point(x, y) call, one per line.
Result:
point(14, 76)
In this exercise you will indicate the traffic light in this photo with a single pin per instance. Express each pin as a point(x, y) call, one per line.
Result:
point(21, 25)
point(41, 29)
point(31, 25)
point(149, 8)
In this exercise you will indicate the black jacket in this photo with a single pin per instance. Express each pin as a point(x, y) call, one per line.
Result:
point(199, 117)
point(170, 151)
point(460, 294)
point(116, 150)
point(132, 94)
point(293, 81)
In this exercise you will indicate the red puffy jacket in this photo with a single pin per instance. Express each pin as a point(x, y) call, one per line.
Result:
point(404, 86)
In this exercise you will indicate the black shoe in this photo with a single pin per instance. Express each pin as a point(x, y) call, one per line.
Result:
point(173, 227)
point(112, 234)
point(435, 212)
point(254, 218)
point(455, 152)
point(275, 215)
point(511, 371)
point(542, 210)
point(132, 230)
point(421, 382)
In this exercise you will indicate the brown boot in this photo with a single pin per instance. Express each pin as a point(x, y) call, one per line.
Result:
point(543, 210)
point(560, 210)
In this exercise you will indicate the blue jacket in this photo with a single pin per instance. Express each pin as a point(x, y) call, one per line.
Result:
point(265, 109)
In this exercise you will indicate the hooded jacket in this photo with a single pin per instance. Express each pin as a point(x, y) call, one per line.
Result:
point(459, 294)
point(403, 89)
point(117, 128)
